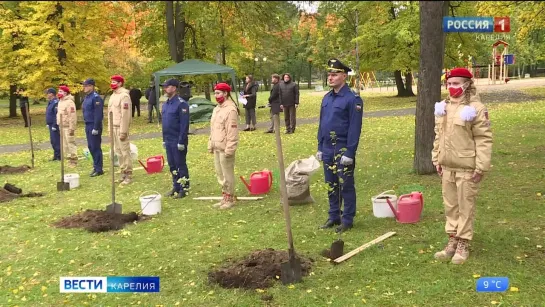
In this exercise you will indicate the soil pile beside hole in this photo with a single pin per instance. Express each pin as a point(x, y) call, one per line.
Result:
point(98, 220)
point(6, 195)
point(6, 169)
point(257, 271)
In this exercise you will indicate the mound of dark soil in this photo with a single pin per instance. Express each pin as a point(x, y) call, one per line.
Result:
point(6, 195)
point(98, 220)
point(6, 169)
point(257, 271)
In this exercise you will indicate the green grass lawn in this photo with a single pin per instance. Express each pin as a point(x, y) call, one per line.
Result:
point(189, 238)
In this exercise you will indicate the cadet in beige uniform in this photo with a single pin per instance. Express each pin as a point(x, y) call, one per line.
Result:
point(120, 106)
point(461, 154)
point(67, 108)
point(223, 142)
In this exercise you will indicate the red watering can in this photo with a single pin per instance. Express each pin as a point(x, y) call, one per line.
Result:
point(409, 208)
point(260, 182)
point(155, 164)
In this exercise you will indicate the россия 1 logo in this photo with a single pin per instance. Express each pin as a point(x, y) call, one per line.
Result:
point(476, 24)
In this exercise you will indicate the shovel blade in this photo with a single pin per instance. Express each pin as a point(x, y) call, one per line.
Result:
point(291, 271)
point(337, 249)
point(63, 186)
point(114, 208)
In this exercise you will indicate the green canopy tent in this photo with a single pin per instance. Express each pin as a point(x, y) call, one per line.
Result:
point(194, 67)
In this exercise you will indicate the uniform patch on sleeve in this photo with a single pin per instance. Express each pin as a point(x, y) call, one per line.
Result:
point(486, 114)
point(233, 125)
point(126, 105)
point(358, 107)
point(98, 103)
point(184, 110)
point(72, 110)
point(487, 121)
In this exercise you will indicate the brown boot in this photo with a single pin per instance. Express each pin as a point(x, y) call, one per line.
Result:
point(229, 202)
point(128, 179)
point(449, 249)
point(121, 178)
point(219, 204)
point(462, 252)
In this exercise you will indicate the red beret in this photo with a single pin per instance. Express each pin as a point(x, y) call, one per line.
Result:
point(459, 72)
point(64, 88)
point(118, 78)
point(222, 87)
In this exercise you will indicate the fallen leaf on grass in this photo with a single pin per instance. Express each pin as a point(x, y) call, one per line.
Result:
point(476, 275)
point(514, 289)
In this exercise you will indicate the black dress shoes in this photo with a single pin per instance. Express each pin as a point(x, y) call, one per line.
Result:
point(342, 228)
point(170, 193)
point(94, 174)
point(330, 224)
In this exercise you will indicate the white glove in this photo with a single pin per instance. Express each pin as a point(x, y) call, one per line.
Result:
point(181, 147)
point(164, 145)
point(53, 129)
point(346, 160)
point(296, 105)
point(94, 132)
point(319, 156)
point(47, 126)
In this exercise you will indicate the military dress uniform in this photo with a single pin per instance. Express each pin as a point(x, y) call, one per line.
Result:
point(51, 121)
point(223, 143)
point(462, 148)
point(175, 114)
point(93, 106)
point(339, 130)
point(120, 107)
point(67, 108)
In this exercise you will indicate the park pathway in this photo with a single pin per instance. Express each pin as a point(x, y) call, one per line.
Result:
point(262, 126)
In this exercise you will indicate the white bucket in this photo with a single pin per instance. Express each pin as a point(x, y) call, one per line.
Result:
point(380, 205)
point(150, 204)
point(72, 179)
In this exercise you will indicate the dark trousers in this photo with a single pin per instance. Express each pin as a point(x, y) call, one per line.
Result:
point(150, 112)
point(55, 138)
point(289, 117)
point(347, 190)
point(24, 111)
point(178, 167)
point(93, 143)
point(135, 105)
point(250, 116)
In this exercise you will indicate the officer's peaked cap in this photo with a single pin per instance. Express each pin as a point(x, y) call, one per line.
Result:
point(172, 82)
point(334, 65)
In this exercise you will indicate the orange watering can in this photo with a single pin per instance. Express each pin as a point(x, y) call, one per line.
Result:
point(260, 182)
point(409, 208)
point(155, 164)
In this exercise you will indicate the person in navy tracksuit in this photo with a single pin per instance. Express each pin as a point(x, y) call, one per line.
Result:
point(51, 121)
point(339, 130)
point(93, 115)
point(175, 115)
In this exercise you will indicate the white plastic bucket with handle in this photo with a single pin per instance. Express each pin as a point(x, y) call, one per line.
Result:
point(380, 206)
point(72, 179)
point(150, 204)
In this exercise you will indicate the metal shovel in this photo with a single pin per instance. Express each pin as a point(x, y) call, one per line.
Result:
point(113, 207)
point(291, 270)
point(62, 186)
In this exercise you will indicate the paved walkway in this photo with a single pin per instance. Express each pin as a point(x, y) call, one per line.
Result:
point(262, 126)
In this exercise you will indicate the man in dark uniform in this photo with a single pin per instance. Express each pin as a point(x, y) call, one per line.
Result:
point(339, 132)
point(152, 102)
point(51, 121)
point(175, 130)
point(24, 105)
point(135, 94)
point(93, 115)
point(274, 100)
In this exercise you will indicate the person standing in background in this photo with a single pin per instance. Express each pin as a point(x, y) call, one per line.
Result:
point(136, 95)
point(250, 93)
point(289, 101)
point(24, 105)
point(152, 102)
point(274, 100)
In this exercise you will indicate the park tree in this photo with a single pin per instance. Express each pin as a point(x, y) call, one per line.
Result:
point(432, 46)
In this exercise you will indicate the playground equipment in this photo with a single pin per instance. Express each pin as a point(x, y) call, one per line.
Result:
point(500, 60)
point(367, 79)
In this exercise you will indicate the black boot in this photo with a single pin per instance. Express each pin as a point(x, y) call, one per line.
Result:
point(343, 228)
point(330, 224)
point(170, 193)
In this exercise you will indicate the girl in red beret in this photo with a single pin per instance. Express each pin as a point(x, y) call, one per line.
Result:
point(223, 142)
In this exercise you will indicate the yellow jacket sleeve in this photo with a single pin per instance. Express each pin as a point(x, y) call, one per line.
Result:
point(126, 108)
point(231, 141)
point(435, 150)
point(482, 135)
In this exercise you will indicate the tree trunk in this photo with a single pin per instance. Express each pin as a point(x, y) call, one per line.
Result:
point(180, 32)
point(12, 100)
point(309, 75)
point(409, 84)
point(207, 91)
point(357, 59)
point(432, 42)
point(77, 100)
point(171, 32)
